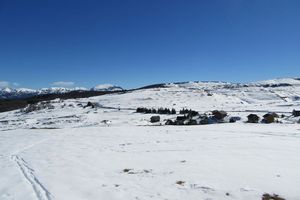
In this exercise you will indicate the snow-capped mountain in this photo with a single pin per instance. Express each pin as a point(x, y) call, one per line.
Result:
point(10, 93)
point(59, 90)
point(19, 93)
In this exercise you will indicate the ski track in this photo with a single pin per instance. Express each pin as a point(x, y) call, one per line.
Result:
point(39, 189)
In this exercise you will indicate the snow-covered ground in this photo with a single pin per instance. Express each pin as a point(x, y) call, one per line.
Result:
point(111, 152)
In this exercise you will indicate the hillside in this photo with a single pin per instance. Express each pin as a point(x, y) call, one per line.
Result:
point(99, 147)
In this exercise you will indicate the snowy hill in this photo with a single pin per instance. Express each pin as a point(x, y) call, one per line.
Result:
point(101, 148)
point(290, 81)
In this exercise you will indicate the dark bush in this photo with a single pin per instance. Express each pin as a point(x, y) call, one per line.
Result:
point(271, 197)
point(190, 113)
point(173, 111)
point(184, 111)
point(154, 119)
point(154, 111)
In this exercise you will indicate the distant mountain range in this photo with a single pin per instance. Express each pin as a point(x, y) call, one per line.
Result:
point(21, 93)
point(280, 90)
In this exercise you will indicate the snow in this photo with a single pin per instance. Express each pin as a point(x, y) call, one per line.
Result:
point(106, 87)
point(25, 90)
point(112, 152)
point(291, 81)
point(212, 161)
point(6, 89)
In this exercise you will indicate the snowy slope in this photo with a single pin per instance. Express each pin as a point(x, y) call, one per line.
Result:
point(292, 81)
point(70, 151)
point(205, 96)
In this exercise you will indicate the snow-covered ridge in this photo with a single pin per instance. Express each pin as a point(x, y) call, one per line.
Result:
point(55, 90)
point(106, 87)
point(11, 93)
point(291, 81)
point(17, 93)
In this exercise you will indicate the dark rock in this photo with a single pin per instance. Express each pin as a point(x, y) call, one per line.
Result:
point(296, 113)
point(181, 118)
point(253, 118)
point(219, 114)
point(126, 170)
point(89, 104)
point(234, 119)
point(270, 117)
point(180, 182)
point(169, 122)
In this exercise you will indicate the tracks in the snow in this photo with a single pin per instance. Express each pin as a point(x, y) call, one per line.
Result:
point(39, 189)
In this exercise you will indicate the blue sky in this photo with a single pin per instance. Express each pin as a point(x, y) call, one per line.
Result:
point(138, 42)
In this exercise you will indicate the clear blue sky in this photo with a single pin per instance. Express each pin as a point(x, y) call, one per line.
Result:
point(137, 42)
